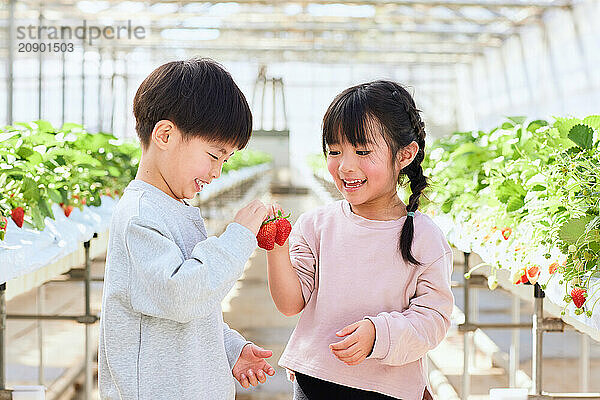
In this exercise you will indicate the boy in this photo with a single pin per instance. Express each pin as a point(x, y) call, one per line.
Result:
point(162, 334)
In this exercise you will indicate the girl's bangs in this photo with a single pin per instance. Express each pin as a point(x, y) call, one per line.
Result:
point(349, 120)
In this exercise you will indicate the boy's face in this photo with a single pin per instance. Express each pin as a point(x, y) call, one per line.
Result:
point(187, 165)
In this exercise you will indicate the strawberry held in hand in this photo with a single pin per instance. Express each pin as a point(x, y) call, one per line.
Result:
point(17, 216)
point(274, 230)
point(266, 235)
point(283, 228)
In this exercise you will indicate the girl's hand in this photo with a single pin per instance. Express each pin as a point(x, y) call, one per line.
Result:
point(273, 209)
point(358, 343)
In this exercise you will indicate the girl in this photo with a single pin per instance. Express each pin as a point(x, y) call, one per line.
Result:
point(371, 274)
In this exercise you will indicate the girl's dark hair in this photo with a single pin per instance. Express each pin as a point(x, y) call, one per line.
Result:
point(199, 96)
point(358, 113)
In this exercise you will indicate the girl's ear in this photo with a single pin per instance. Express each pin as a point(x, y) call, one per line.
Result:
point(407, 155)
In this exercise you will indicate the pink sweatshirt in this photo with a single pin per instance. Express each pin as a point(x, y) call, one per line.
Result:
point(350, 268)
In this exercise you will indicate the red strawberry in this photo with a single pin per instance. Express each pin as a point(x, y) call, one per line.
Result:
point(578, 296)
point(83, 201)
point(17, 216)
point(66, 209)
point(266, 236)
point(533, 274)
point(3, 225)
point(524, 278)
point(553, 267)
point(506, 233)
point(284, 227)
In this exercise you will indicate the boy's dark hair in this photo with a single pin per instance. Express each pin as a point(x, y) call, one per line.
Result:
point(361, 111)
point(199, 96)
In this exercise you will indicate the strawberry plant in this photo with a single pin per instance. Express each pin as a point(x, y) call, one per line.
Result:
point(41, 166)
point(527, 195)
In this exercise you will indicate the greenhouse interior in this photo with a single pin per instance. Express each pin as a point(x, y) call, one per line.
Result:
point(456, 142)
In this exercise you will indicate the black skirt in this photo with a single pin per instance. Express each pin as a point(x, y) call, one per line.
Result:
point(318, 389)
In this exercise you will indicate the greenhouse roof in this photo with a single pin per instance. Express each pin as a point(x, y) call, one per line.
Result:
point(324, 31)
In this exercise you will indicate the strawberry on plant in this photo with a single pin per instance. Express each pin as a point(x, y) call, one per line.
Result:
point(82, 201)
point(67, 209)
point(519, 276)
point(17, 216)
point(506, 233)
point(533, 273)
point(266, 235)
point(578, 296)
point(3, 225)
point(283, 229)
point(553, 267)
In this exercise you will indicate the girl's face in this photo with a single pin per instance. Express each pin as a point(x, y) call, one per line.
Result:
point(365, 175)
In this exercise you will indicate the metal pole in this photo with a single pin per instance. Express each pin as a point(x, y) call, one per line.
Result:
point(11, 62)
point(538, 332)
point(88, 326)
point(506, 79)
point(555, 78)
point(490, 91)
point(83, 83)
point(514, 344)
point(467, 337)
point(40, 64)
point(2, 336)
point(526, 71)
point(285, 121)
point(126, 81)
point(112, 92)
point(274, 85)
point(40, 333)
point(584, 363)
point(63, 85)
point(100, 125)
point(580, 44)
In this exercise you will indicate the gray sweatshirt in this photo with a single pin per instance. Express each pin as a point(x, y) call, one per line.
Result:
point(162, 334)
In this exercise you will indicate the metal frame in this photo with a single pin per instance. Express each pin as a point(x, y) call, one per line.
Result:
point(88, 319)
point(538, 326)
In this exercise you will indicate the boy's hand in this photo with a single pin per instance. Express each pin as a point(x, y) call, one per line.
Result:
point(252, 216)
point(250, 368)
point(358, 344)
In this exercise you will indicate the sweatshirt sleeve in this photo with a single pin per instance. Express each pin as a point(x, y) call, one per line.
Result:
point(303, 260)
point(404, 337)
point(234, 343)
point(163, 284)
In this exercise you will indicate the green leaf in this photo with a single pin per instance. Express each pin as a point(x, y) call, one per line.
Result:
point(573, 229)
point(517, 120)
point(37, 218)
point(593, 121)
point(55, 196)
point(24, 152)
point(447, 206)
point(30, 189)
point(507, 125)
point(515, 203)
point(113, 171)
point(535, 125)
point(564, 125)
point(582, 136)
point(45, 208)
point(538, 188)
point(44, 126)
